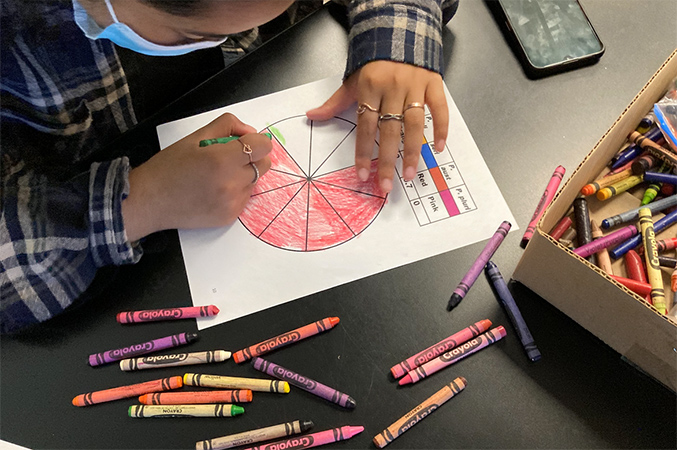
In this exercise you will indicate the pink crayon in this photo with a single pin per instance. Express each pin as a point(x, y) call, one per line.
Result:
point(313, 439)
point(441, 347)
point(609, 240)
point(153, 315)
point(546, 198)
point(155, 345)
point(454, 355)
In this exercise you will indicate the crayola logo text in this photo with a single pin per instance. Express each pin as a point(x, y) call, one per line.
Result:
point(146, 346)
point(162, 313)
point(417, 418)
point(294, 378)
point(165, 358)
point(459, 350)
point(435, 351)
point(289, 444)
point(279, 341)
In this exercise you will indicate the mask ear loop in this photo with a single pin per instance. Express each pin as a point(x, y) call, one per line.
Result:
point(112, 13)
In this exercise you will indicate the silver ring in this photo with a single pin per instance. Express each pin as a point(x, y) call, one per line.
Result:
point(256, 173)
point(413, 105)
point(389, 116)
point(362, 107)
point(247, 150)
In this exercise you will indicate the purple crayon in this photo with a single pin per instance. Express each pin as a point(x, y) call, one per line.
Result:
point(155, 345)
point(614, 238)
point(303, 382)
point(477, 267)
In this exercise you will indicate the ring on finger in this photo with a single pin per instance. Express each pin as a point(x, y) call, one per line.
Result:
point(257, 174)
point(390, 116)
point(247, 150)
point(362, 107)
point(413, 105)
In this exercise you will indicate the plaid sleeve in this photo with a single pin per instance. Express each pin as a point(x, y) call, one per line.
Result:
point(55, 235)
point(408, 31)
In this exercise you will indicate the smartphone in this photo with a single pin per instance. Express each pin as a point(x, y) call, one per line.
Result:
point(549, 36)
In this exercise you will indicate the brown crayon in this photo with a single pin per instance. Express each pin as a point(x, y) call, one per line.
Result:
point(190, 398)
point(132, 390)
point(221, 382)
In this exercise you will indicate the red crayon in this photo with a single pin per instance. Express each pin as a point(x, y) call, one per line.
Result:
point(638, 287)
point(662, 245)
point(546, 199)
point(132, 390)
point(285, 339)
point(635, 266)
point(561, 227)
point(454, 355)
point(441, 347)
point(667, 189)
point(153, 315)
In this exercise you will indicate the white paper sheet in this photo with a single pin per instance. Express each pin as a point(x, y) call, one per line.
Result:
point(314, 225)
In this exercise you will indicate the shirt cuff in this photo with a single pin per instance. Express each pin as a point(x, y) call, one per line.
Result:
point(108, 187)
point(404, 31)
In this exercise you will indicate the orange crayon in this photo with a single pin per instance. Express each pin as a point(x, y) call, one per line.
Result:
point(190, 398)
point(673, 281)
point(132, 390)
point(285, 339)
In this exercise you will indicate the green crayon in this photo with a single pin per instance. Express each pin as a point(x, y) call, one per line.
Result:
point(225, 140)
point(213, 410)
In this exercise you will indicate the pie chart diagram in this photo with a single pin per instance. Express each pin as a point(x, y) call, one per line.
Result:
point(311, 198)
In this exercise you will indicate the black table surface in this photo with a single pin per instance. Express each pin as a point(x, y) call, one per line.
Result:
point(581, 394)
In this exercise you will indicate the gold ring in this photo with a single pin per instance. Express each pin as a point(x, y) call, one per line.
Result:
point(389, 116)
point(256, 173)
point(413, 105)
point(247, 150)
point(362, 107)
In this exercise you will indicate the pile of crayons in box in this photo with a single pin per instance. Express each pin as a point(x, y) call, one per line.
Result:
point(163, 397)
point(625, 215)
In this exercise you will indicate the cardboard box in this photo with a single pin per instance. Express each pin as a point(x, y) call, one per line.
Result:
point(581, 290)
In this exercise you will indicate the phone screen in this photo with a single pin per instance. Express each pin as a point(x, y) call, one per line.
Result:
point(552, 31)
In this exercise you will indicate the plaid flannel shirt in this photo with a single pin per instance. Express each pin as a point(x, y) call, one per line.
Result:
point(63, 96)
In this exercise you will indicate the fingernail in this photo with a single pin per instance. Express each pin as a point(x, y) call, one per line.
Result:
point(409, 173)
point(386, 185)
point(439, 146)
point(363, 174)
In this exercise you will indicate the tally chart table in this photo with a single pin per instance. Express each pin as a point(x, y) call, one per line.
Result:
point(579, 395)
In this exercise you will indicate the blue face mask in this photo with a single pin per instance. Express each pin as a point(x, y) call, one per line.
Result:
point(122, 35)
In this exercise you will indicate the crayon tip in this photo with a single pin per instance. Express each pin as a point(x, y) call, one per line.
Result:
point(350, 431)
point(190, 337)
point(454, 300)
point(605, 224)
point(500, 331)
point(406, 380)
point(129, 411)
point(524, 242)
point(588, 189)
point(533, 354)
point(142, 398)
point(462, 381)
point(484, 324)
point(236, 410)
point(75, 401)
point(603, 194)
point(334, 321)
point(306, 425)
point(285, 388)
point(213, 310)
point(118, 317)
point(269, 135)
point(351, 403)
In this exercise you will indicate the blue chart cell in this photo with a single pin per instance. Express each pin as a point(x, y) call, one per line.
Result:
point(438, 190)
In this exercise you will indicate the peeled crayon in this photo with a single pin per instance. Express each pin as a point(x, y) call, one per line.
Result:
point(258, 435)
point(514, 314)
point(546, 199)
point(285, 339)
point(635, 267)
point(303, 382)
point(441, 347)
point(439, 363)
point(155, 345)
point(313, 439)
point(486, 254)
point(419, 413)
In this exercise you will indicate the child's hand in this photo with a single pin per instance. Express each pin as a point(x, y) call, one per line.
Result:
point(390, 87)
point(187, 186)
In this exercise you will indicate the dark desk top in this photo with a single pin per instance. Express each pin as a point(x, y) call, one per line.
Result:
point(580, 395)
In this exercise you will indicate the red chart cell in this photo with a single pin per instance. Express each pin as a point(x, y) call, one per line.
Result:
point(294, 211)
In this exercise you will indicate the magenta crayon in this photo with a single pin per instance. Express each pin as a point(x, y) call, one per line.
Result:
point(635, 267)
point(312, 439)
point(441, 347)
point(610, 239)
point(419, 413)
point(303, 382)
point(546, 198)
point(477, 267)
point(155, 345)
point(456, 354)
point(153, 315)
point(132, 390)
point(561, 227)
point(285, 339)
